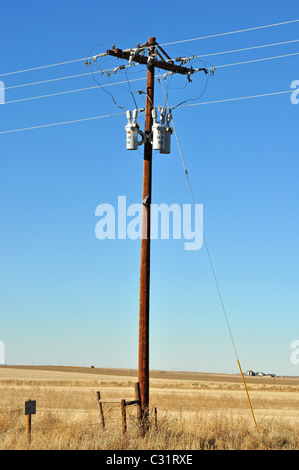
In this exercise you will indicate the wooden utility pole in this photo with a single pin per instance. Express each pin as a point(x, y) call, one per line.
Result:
point(152, 62)
point(144, 293)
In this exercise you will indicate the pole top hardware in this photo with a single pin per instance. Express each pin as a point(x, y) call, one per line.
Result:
point(154, 59)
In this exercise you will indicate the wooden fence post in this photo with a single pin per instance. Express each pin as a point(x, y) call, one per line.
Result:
point(124, 416)
point(156, 419)
point(138, 398)
point(124, 404)
point(101, 410)
point(28, 428)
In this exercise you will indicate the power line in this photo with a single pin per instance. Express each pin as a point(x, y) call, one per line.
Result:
point(122, 113)
point(231, 32)
point(45, 66)
point(67, 77)
point(70, 91)
point(143, 78)
point(61, 123)
point(165, 44)
point(128, 66)
point(257, 60)
point(247, 48)
point(238, 99)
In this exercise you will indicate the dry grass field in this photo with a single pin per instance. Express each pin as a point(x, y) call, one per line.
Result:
point(195, 411)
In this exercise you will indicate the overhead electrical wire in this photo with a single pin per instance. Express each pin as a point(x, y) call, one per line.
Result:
point(248, 48)
point(64, 78)
point(238, 99)
point(243, 62)
point(189, 99)
point(164, 44)
point(129, 66)
point(143, 78)
point(182, 104)
point(71, 91)
point(230, 32)
point(122, 113)
point(257, 60)
point(61, 123)
point(108, 93)
point(116, 84)
point(45, 66)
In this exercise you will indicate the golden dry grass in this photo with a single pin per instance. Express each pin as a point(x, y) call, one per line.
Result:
point(191, 415)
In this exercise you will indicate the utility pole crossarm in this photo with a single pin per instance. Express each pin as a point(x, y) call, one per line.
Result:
point(160, 64)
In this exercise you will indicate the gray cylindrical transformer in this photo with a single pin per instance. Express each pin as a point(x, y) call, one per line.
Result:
point(158, 133)
point(131, 136)
point(158, 137)
point(132, 130)
point(168, 132)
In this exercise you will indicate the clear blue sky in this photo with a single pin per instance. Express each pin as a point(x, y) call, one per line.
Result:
point(69, 298)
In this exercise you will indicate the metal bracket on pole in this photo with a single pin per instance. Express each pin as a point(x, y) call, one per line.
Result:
point(140, 132)
point(145, 201)
point(148, 137)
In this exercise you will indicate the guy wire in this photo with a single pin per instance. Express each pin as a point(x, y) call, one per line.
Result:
point(211, 263)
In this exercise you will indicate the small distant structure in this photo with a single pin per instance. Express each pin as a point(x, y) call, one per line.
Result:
point(260, 374)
